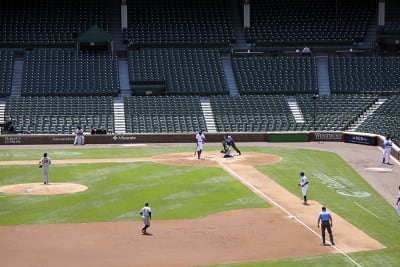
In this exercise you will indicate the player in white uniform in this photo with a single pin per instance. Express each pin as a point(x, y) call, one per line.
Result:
point(201, 139)
point(398, 203)
point(304, 186)
point(387, 148)
point(44, 163)
point(145, 212)
point(79, 137)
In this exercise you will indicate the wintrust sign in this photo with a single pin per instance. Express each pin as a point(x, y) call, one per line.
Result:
point(322, 136)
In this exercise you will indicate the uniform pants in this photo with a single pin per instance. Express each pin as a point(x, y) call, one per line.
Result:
point(232, 144)
point(326, 226)
point(45, 175)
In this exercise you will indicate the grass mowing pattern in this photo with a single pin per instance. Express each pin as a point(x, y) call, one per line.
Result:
point(117, 191)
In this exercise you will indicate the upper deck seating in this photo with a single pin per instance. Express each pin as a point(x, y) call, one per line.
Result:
point(63, 72)
point(179, 23)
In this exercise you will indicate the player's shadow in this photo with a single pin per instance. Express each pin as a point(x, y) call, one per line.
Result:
point(148, 234)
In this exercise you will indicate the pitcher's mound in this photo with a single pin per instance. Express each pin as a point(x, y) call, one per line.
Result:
point(42, 189)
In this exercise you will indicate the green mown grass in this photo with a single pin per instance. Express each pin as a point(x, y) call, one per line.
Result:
point(118, 190)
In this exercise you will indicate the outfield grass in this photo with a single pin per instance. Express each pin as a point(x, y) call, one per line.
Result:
point(118, 190)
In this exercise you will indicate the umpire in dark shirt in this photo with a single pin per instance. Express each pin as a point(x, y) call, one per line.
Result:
point(325, 219)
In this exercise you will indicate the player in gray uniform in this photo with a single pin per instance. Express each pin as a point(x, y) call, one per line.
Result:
point(229, 140)
point(44, 163)
point(304, 186)
point(226, 150)
point(145, 212)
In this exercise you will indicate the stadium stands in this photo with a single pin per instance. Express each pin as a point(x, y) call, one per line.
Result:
point(365, 74)
point(49, 23)
point(309, 22)
point(64, 72)
point(334, 112)
point(276, 75)
point(6, 71)
point(385, 120)
point(249, 113)
point(60, 115)
point(163, 114)
point(179, 23)
point(186, 71)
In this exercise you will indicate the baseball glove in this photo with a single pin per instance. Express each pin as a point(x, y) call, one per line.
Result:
point(40, 166)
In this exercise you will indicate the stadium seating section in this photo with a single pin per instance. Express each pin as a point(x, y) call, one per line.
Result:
point(335, 112)
point(60, 115)
point(365, 74)
point(185, 70)
point(385, 120)
point(252, 113)
point(309, 22)
point(152, 114)
point(6, 71)
point(271, 75)
point(62, 72)
point(49, 23)
point(179, 23)
point(182, 53)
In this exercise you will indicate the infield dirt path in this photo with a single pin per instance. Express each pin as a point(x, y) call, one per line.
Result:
point(288, 230)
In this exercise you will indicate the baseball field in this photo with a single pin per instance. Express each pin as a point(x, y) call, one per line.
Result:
point(241, 211)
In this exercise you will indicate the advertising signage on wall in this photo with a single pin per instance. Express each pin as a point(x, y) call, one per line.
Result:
point(326, 136)
point(360, 139)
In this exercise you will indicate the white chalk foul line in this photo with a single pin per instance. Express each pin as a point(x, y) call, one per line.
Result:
point(262, 194)
point(370, 212)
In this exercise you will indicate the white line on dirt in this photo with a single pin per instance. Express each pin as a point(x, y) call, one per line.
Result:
point(370, 212)
point(254, 189)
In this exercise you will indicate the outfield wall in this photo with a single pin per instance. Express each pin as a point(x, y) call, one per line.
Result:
point(347, 137)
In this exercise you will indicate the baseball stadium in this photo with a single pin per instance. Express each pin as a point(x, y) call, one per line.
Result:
point(233, 122)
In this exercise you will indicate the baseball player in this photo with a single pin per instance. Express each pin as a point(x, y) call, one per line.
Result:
point(326, 219)
point(145, 212)
point(226, 150)
point(201, 139)
point(229, 140)
point(44, 163)
point(387, 148)
point(79, 137)
point(304, 186)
